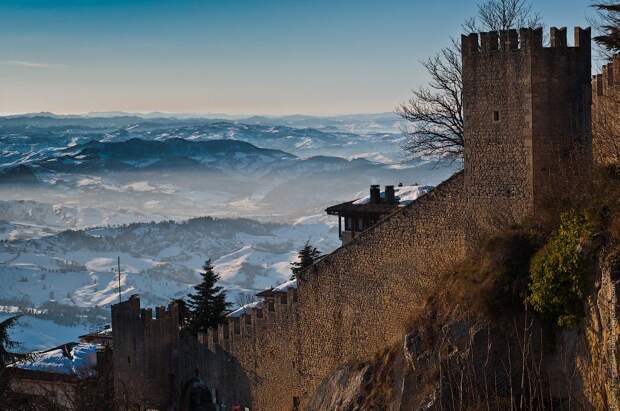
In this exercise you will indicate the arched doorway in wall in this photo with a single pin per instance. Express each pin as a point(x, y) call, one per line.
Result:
point(196, 396)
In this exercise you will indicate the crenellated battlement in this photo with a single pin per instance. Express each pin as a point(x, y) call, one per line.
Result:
point(143, 340)
point(131, 308)
point(606, 83)
point(606, 112)
point(525, 39)
point(243, 324)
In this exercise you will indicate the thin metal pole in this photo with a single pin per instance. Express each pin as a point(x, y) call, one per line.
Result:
point(119, 279)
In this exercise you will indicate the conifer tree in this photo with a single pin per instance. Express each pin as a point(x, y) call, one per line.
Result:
point(207, 307)
point(609, 27)
point(307, 256)
point(7, 357)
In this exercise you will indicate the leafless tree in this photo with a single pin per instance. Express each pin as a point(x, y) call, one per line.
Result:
point(434, 113)
point(244, 299)
point(495, 15)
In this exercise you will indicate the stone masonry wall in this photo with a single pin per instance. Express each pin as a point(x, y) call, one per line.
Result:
point(264, 343)
point(349, 305)
point(527, 116)
point(606, 113)
point(143, 344)
point(497, 110)
point(358, 300)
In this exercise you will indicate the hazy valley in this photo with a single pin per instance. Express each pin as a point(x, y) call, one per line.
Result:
point(164, 194)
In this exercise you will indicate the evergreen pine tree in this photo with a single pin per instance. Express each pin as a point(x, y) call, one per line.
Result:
point(609, 26)
point(207, 307)
point(7, 356)
point(307, 256)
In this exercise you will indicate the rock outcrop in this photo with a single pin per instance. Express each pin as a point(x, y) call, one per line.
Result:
point(459, 357)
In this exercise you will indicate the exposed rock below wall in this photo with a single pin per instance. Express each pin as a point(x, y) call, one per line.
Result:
point(598, 355)
point(455, 358)
point(364, 386)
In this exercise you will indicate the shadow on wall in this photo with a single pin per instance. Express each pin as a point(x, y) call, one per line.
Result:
point(209, 376)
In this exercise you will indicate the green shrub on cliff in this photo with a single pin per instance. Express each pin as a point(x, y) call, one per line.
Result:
point(558, 272)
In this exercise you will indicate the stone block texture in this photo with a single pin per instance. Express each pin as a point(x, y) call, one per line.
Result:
point(606, 113)
point(527, 124)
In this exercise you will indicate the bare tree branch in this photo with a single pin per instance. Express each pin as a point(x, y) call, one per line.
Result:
point(434, 113)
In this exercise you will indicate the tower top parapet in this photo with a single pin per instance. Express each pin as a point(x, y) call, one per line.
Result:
point(522, 39)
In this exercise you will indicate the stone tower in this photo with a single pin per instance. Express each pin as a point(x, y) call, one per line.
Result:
point(143, 371)
point(528, 138)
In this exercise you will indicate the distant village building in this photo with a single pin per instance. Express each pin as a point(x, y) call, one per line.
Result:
point(103, 337)
point(360, 214)
point(63, 374)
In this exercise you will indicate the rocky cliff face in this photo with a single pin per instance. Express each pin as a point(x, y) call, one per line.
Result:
point(598, 354)
point(458, 357)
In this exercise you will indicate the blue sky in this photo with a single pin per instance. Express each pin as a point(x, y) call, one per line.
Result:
point(235, 56)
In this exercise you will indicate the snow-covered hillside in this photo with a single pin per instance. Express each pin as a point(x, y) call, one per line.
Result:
point(159, 261)
point(77, 192)
point(303, 136)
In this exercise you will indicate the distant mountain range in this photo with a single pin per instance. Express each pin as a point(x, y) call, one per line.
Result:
point(379, 122)
point(137, 154)
point(303, 136)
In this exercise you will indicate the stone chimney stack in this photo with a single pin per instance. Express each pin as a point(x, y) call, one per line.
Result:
point(390, 198)
point(375, 194)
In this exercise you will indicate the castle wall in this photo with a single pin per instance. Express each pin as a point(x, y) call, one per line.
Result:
point(606, 113)
point(562, 119)
point(527, 123)
point(358, 300)
point(143, 346)
point(353, 303)
point(250, 361)
point(498, 117)
point(527, 140)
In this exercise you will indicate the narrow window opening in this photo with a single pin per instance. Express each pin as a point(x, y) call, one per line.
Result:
point(496, 116)
point(348, 224)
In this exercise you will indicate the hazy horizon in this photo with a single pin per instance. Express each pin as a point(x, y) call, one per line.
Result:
point(197, 114)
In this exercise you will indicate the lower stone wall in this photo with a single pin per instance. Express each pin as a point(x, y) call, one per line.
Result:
point(357, 301)
point(253, 361)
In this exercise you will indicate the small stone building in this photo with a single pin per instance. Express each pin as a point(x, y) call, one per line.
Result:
point(356, 216)
point(65, 374)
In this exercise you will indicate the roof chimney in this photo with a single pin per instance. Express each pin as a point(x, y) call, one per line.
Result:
point(375, 194)
point(389, 195)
